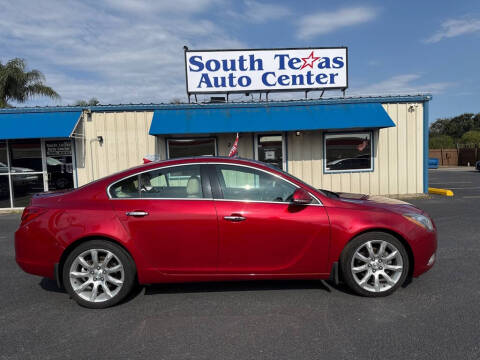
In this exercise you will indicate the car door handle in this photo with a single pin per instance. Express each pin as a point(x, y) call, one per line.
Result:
point(234, 218)
point(136, 213)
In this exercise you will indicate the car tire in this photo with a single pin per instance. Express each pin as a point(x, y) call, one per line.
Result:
point(374, 264)
point(98, 274)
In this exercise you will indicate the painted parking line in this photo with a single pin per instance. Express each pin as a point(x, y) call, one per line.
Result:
point(451, 182)
point(471, 197)
point(464, 188)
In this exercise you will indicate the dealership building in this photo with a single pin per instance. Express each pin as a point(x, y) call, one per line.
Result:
point(371, 145)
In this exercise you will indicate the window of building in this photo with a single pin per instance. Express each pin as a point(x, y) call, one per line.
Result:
point(270, 148)
point(28, 167)
point(4, 182)
point(179, 182)
point(26, 170)
point(243, 183)
point(177, 148)
point(348, 152)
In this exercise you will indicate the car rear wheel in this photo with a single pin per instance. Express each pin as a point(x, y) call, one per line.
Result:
point(374, 264)
point(98, 274)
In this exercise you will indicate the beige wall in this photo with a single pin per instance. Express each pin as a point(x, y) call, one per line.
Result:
point(126, 142)
point(398, 151)
point(398, 157)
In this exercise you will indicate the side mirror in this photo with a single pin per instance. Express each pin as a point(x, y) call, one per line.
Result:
point(301, 197)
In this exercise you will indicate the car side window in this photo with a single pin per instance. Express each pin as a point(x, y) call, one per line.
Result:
point(172, 183)
point(243, 183)
point(127, 188)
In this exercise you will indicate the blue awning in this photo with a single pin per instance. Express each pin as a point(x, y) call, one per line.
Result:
point(237, 118)
point(30, 125)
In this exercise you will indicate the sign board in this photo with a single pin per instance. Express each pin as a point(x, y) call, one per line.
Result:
point(265, 70)
point(59, 148)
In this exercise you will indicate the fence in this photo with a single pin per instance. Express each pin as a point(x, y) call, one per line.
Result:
point(462, 156)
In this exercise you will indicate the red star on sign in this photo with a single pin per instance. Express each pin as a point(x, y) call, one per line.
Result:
point(308, 61)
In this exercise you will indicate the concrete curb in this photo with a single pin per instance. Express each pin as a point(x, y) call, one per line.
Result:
point(437, 191)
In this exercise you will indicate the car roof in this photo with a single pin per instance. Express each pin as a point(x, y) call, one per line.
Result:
point(201, 159)
point(185, 160)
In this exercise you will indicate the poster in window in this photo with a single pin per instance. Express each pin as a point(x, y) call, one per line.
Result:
point(269, 154)
point(59, 148)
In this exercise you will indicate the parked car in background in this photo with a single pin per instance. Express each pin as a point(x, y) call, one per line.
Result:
point(209, 219)
point(349, 164)
point(59, 174)
point(21, 179)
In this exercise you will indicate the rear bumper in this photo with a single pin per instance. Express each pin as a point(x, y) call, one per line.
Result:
point(37, 268)
point(36, 251)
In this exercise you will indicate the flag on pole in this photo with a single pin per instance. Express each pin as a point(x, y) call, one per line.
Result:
point(234, 150)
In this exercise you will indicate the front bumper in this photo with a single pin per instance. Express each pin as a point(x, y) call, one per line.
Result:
point(424, 252)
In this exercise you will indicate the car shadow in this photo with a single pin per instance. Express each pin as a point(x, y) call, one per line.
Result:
point(50, 285)
point(234, 286)
point(224, 286)
point(342, 287)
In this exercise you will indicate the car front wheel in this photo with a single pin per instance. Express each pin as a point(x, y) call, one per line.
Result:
point(98, 274)
point(374, 264)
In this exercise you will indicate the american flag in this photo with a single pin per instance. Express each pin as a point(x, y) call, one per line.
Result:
point(234, 150)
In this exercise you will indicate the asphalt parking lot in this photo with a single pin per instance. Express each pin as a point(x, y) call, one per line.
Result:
point(437, 316)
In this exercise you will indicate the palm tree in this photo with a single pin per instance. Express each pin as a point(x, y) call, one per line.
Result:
point(19, 85)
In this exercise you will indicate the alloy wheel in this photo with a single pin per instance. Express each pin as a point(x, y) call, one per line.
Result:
point(377, 266)
point(97, 275)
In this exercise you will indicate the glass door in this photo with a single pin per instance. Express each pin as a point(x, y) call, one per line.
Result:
point(59, 158)
point(270, 148)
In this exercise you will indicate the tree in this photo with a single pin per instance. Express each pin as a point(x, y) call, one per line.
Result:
point(441, 142)
point(456, 126)
point(92, 102)
point(175, 100)
point(17, 84)
point(471, 137)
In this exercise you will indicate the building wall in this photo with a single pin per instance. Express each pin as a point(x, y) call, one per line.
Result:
point(398, 151)
point(125, 142)
point(398, 157)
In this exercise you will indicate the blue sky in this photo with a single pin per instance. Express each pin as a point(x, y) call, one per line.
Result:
point(132, 51)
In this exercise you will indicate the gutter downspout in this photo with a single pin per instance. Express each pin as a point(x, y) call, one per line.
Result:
point(426, 118)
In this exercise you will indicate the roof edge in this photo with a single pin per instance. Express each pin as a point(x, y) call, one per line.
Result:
point(153, 107)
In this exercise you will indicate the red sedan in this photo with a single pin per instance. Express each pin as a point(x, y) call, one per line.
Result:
point(207, 219)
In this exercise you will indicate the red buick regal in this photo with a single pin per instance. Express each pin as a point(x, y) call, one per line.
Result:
point(209, 219)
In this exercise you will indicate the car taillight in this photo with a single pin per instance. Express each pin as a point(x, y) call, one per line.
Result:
point(31, 212)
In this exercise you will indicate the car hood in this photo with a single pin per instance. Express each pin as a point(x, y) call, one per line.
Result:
point(379, 202)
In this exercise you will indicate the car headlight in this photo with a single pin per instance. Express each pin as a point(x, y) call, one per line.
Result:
point(420, 220)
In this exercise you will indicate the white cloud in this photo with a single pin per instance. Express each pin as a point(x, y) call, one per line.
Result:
point(258, 12)
point(118, 52)
point(324, 22)
point(157, 7)
point(401, 84)
point(455, 27)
